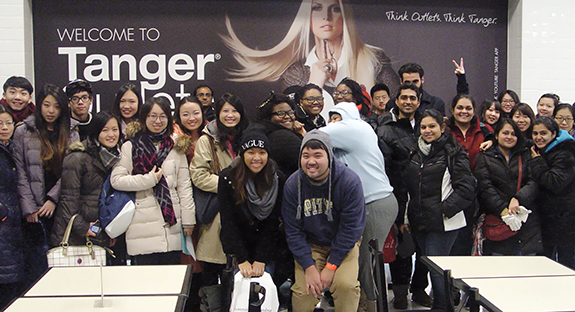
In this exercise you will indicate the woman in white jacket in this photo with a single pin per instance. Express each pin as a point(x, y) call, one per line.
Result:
point(154, 166)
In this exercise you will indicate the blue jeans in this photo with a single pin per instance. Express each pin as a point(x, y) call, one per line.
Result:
point(436, 244)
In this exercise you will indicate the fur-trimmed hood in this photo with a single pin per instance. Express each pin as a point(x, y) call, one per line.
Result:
point(182, 143)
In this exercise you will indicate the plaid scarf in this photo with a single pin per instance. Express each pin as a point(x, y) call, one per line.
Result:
point(145, 156)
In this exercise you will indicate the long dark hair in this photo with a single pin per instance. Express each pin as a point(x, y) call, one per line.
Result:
point(441, 121)
point(236, 132)
point(526, 110)
point(518, 134)
point(123, 89)
point(178, 120)
point(484, 106)
point(52, 153)
point(98, 123)
point(240, 173)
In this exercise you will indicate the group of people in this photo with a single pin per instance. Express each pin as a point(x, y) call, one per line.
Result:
point(299, 197)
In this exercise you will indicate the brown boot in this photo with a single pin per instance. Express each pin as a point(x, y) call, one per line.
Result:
point(400, 297)
point(420, 297)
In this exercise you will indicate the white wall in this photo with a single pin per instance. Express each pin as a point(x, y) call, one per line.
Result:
point(541, 53)
point(16, 39)
point(542, 49)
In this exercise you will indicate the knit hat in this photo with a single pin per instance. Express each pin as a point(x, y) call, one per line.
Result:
point(254, 136)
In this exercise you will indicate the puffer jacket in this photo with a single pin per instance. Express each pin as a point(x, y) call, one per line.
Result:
point(496, 185)
point(83, 175)
point(209, 247)
point(10, 220)
point(149, 233)
point(396, 139)
point(424, 177)
point(554, 171)
point(285, 145)
point(27, 148)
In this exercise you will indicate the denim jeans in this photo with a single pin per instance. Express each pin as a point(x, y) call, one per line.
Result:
point(436, 244)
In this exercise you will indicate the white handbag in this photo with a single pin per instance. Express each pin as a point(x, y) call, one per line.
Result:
point(267, 299)
point(84, 255)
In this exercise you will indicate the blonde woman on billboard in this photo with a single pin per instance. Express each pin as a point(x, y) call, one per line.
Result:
point(338, 52)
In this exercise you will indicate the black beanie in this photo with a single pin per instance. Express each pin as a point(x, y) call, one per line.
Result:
point(254, 136)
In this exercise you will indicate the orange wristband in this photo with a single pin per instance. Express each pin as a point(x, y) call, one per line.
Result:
point(330, 266)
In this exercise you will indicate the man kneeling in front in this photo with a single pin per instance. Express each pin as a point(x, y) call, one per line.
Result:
point(324, 214)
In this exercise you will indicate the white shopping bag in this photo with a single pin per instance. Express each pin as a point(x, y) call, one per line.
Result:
point(241, 294)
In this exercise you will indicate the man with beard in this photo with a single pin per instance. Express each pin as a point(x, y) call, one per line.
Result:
point(397, 133)
point(413, 72)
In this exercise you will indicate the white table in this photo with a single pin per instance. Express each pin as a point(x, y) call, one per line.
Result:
point(497, 266)
point(525, 294)
point(117, 280)
point(511, 283)
point(86, 304)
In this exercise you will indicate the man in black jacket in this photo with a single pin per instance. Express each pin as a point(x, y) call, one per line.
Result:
point(413, 72)
point(397, 133)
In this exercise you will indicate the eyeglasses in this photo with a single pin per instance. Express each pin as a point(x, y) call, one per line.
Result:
point(76, 99)
point(562, 119)
point(282, 114)
point(344, 93)
point(311, 99)
point(153, 118)
point(381, 97)
point(8, 123)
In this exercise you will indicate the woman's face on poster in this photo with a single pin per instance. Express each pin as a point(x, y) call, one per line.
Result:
point(326, 19)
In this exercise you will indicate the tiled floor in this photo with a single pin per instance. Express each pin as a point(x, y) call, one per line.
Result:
point(411, 305)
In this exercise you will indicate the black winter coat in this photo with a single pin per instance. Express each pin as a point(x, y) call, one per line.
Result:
point(285, 146)
point(424, 176)
point(82, 178)
point(496, 185)
point(10, 220)
point(305, 119)
point(242, 234)
point(396, 139)
point(554, 171)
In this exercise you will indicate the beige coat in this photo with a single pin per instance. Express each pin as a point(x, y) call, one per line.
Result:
point(149, 233)
point(209, 247)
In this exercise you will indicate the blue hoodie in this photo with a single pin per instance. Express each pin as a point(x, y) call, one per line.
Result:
point(355, 145)
point(331, 214)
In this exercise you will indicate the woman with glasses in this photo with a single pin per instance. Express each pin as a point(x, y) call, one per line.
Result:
point(154, 165)
point(285, 133)
point(40, 143)
point(215, 150)
point(349, 90)
point(508, 100)
point(546, 104)
point(310, 105)
point(564, 115)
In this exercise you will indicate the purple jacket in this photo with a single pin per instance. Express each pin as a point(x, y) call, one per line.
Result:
point(30, 169)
